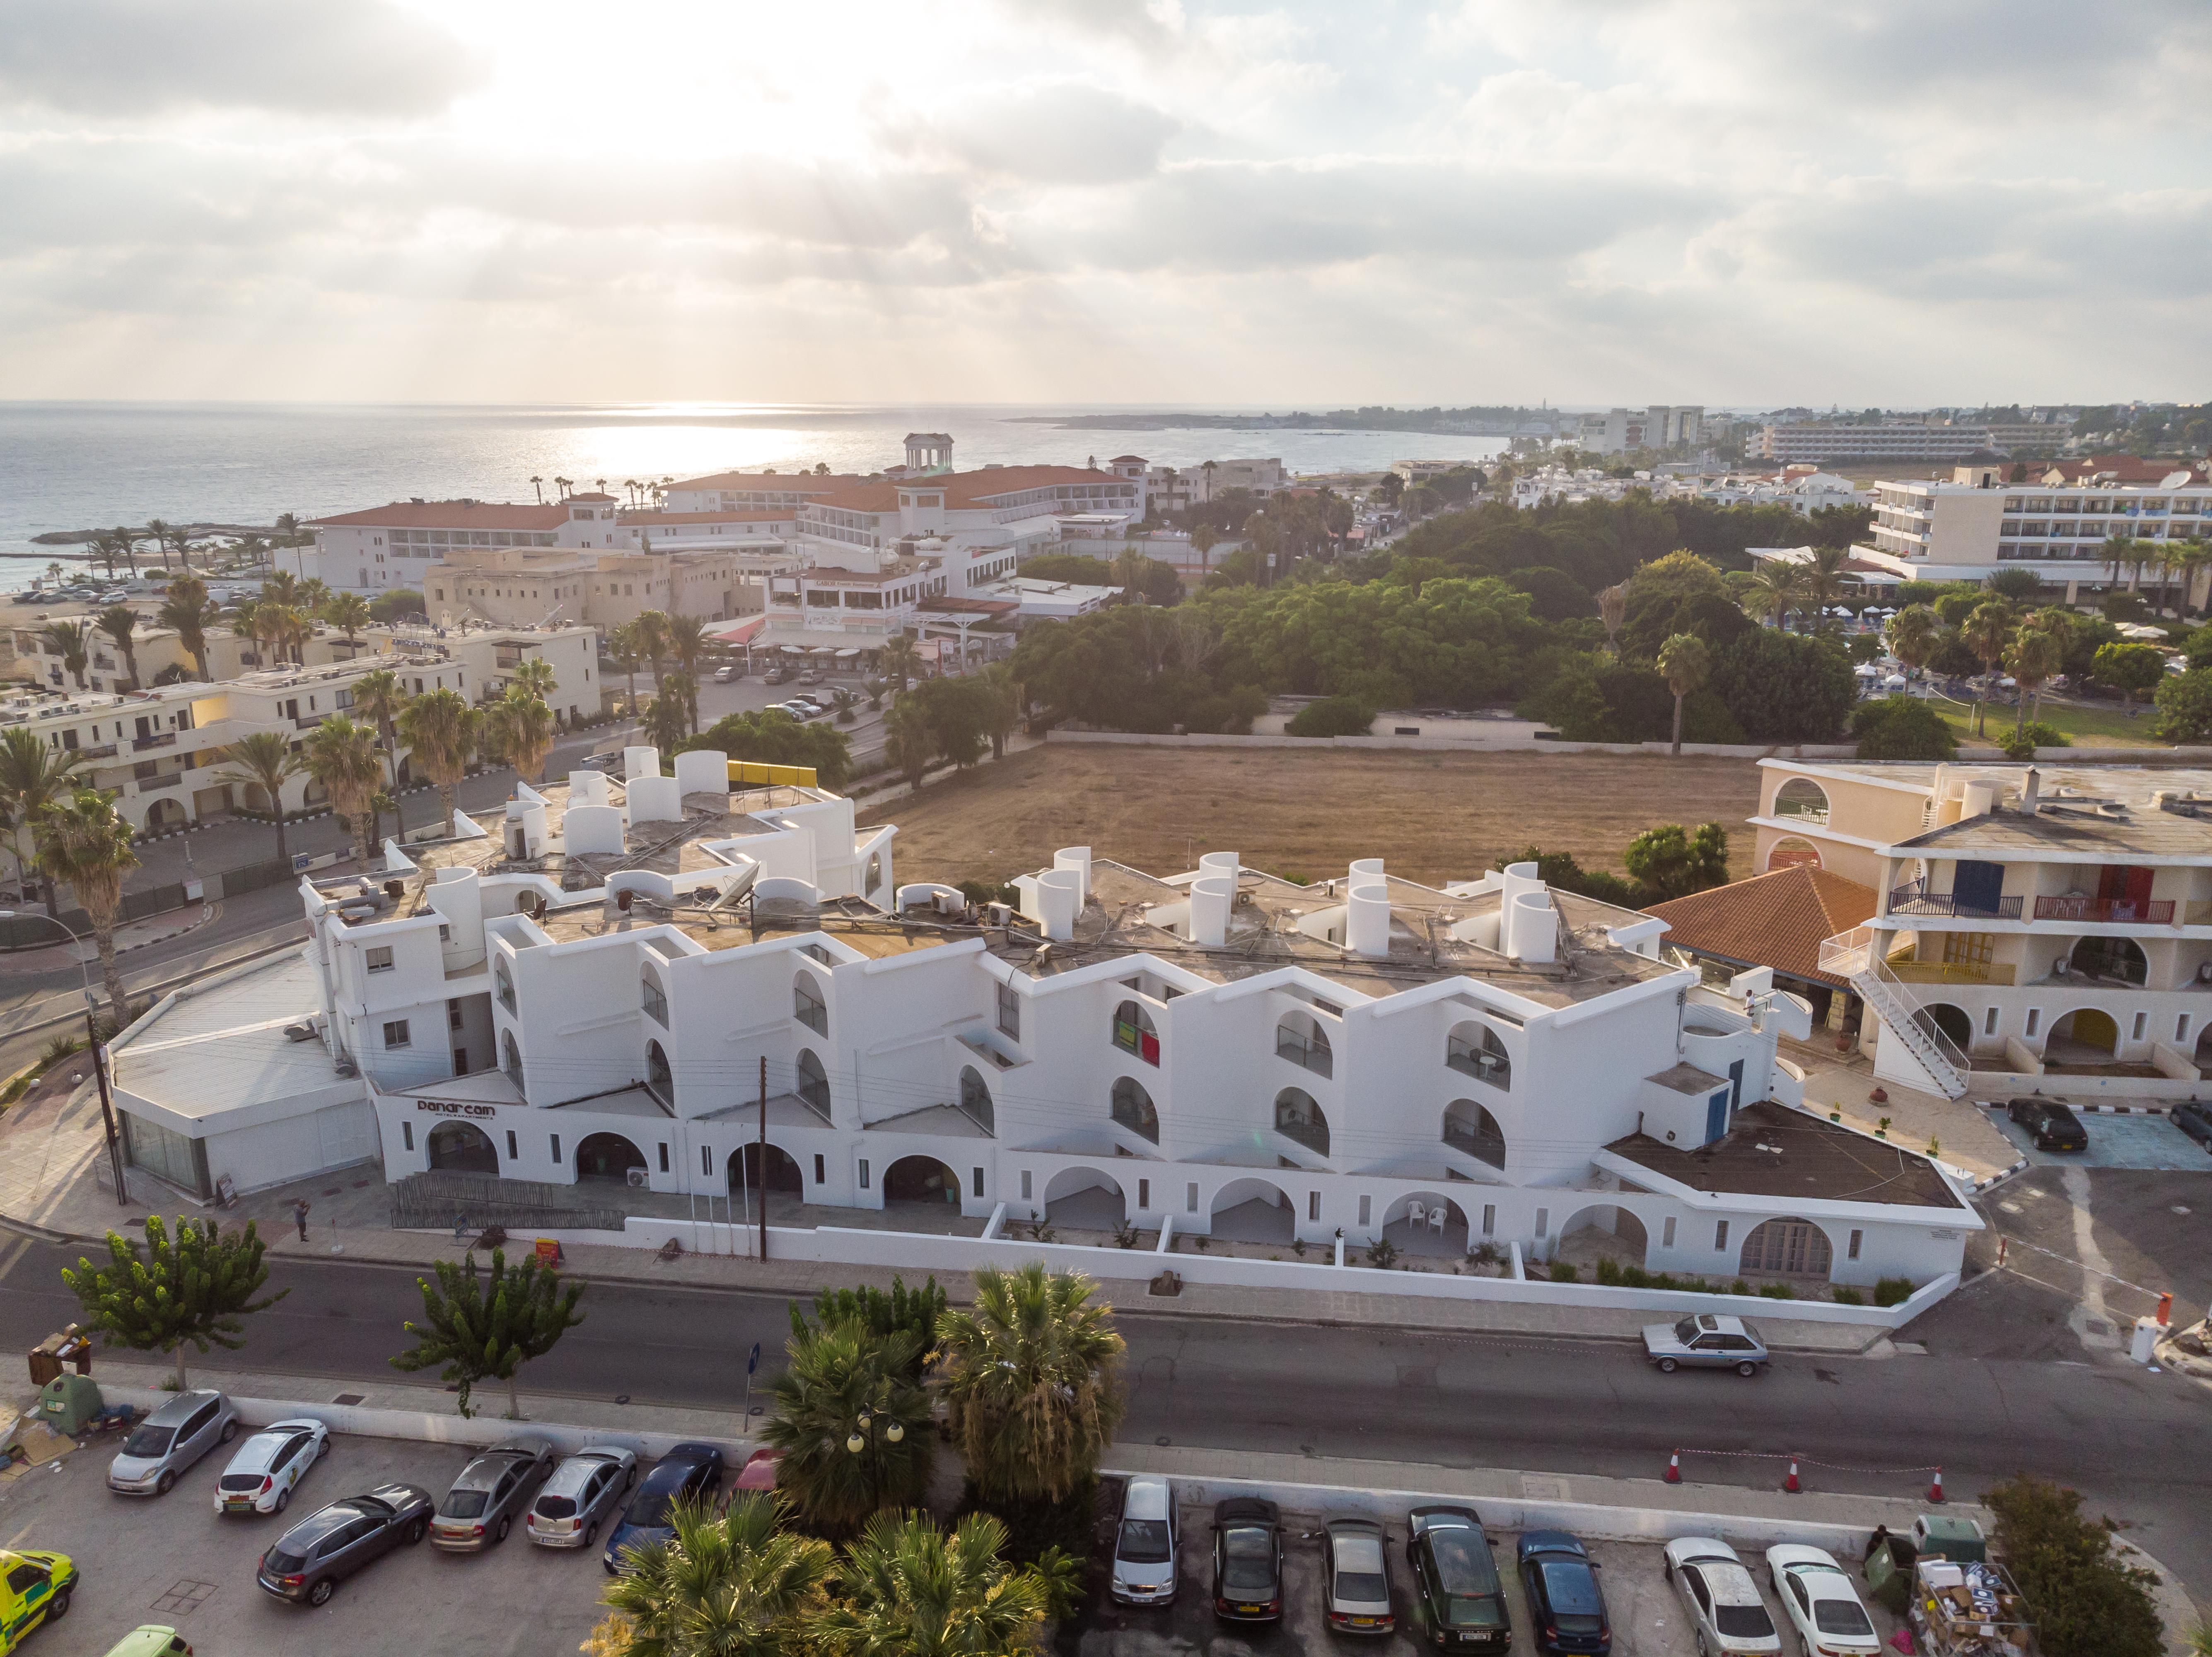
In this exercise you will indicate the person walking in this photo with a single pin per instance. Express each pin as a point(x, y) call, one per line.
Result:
point(300, 1217)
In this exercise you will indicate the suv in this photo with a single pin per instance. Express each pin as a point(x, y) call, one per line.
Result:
point(1708, 1340)
point(169, 1441)
point(1458, 1598)
point(1143, 1569)
point(491, 1492)
point(2049, 1124)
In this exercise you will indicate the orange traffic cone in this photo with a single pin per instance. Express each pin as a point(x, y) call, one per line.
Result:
point(1936, 1488)
point(1674, 1468)
point(1791, 1484)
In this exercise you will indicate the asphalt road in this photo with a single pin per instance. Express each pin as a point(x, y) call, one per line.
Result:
point(2136, 1443)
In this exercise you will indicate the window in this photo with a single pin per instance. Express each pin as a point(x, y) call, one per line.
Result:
point(1474, 1050)
point(395, 1034)
point(664, 1156)
point(1666, 1233)
point(1144, 1194)
point(705, 1159)
point(975, 1181)
point(1133, 1032)
point(1313, 1204)
point(2137, 1035)
point(864, 1174)
point(1132, 1106)
point(819, 1172)
point(1990, 1021)
point(813, 1081)
point(453, 1020)
point(1190, 1197)
point(505, 981)
point(1366, 1210)
point(1490, 1219)
point(658, 1076)
point(1852, 1253)
point(2034, 1020)
point(513, 1060)
point(656, 998)
point(807, 1005)
point(556, 1147)
point(1543, 1220)
point(2181, 1028)
point(1720, 1234)
point(513, 1152)
point(380, 958)
point(1010, 1013)
point(407, 1136)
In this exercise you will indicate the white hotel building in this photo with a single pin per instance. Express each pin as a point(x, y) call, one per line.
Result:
point(591, 988)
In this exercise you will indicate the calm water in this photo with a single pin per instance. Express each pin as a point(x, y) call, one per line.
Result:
point(76, 465)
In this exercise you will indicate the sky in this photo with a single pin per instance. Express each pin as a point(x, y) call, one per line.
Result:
point(1083, 202)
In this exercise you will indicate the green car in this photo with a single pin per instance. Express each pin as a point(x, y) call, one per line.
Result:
point(1460, 1601)
point(151, 1639)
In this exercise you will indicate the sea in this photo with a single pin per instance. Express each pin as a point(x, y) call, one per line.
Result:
point(68, 466)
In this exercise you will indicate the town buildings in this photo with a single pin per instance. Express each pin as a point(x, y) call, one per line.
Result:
point(1662, 426)
point(1172, 489)
point(387, 547)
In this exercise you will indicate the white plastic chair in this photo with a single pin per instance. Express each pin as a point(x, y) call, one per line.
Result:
point(1436, 1221)
point(1415, 1213)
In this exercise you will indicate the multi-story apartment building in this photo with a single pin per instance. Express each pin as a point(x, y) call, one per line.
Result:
point(394, 546)
point(514, 587)
point(2039, 928)
point(1823, 441)
point(1978, 522)
point(1662, 426)
point(1173, 488)
point(599, 984)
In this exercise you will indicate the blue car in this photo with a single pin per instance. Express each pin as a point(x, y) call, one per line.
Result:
point(687, 1471)
point(1564, 1600)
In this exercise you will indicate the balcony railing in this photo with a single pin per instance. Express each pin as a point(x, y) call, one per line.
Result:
point(1314, 1055)
point(1311, 1133)
point(2149, 911)
point(167, 739)
point(308, 722)
point(1144, 1122)
point(1484, 1067)
point(1915, 900)
point(1950, 972)
point(1483, 1147)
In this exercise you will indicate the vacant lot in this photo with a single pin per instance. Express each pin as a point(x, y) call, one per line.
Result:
point(1429, 816)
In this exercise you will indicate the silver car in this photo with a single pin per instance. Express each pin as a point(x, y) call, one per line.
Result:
point(169, 1441)
point(491, 1493)
point(1145, 1545)
point(1707, 1340)
point(585, 1489)
point(1356, 1575)
point(1727, 1617)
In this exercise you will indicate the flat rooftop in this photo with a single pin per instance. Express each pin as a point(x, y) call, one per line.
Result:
point(1772, 1151)
point(224, 1047)
point(2096, 810)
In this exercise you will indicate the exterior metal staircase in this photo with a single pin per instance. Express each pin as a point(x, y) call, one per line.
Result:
point(1855, 956)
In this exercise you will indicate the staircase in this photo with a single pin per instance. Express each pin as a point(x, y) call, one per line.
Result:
point(1855, 957)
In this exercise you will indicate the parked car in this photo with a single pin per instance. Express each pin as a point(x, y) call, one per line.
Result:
point(492, 1492)
point(169, 1441)
point(1727, 1617)
point(2195, 1120)
point(1457, 1597)
point(585, 1490)
point(151, 1639)
point(1566, 1602)
point(729, 673)
point(1708, 1340)
point(1818, 1598)
point(759, 1471)
point(1355, 1565)
point(688, 1471)
point(1247, 1560)
point(601, 762)
point(35, 1590)
point(261, 1475)
point(2049, 1124)
point(777, 675)
point(1145, 1543)
point(809, 677)
point(310, 1560)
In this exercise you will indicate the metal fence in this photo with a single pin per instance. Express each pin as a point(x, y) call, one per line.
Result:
point(28, 928)
point(252, 876)
point(436, 1200)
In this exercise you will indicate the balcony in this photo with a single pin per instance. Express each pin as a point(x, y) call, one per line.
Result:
point(1311, 1055)
point(1139, 1118)
point(1484, 1066)
point(1951, 972)
point(1484, 1147)
point(2106, 910)
point(309, 721)
point(1915, 900)
point(167, 739)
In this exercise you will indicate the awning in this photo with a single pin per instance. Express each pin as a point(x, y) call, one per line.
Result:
point(846, 655)
point(738, 633)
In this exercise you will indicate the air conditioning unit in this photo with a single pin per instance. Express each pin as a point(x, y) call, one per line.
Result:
point(639, 1178)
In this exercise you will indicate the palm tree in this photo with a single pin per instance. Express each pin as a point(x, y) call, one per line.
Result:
point(264, 759)
point(315, 595)
point(535, 675)
point(103, 548)
point(288, 525)
point(909, 743)
point(441, 728)
point(651, 641)
point(666, 722)
point(622, 646)
point(900, 659)
point(82, 840)
point(1774, 589)
point(852, 1424)
point(523, 725)
point(342, 756)
point(1912, 633)
point(1031, 1380)
point(348, 612)
point(72, 642)
point(682, 690)
point(192, 613)
point(1004, 710)
point(537, 487)
point(687, 641)
point(1685, 662)
point(285, 628)
point(1985, 631)
point(118, 622)
point(738, 1585)
point(1207, 468)
point(379, 697)
point(157, 531)
point(908, 1590)
point(1824, 574)
point(246, 622)
point(126, 542)
point(2118, 550)
point(2034, 657)
point(32, 776)
point(282, 588)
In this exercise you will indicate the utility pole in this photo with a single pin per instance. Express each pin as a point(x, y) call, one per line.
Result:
point(763, 1157)
point(106, 1104)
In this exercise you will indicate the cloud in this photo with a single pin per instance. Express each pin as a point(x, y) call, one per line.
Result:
point(1132, 22)
point(125, 59)
point(1061, 133)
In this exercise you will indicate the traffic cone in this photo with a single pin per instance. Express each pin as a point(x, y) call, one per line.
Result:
point(1936, 1488)
point(1674, 1468)
point(1791, 1484)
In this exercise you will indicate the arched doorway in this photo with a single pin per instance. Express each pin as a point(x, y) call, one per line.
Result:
point(1954, 1022)
point(1604, 1231)
point(511, 1059)
point(1253, 1210)
point(744, 1168)
point(1802, 798)
point(2084, 1036)
point(975, 1100)
point(163, 816)
point(1791, 852)
point(1426, 1222)
point(1132, 1106)
point(1473, 1048)
point(658, 1076)
point(2110, 961)
point(921, 1179)
point(1298, 1117)
point(463, 1147)
point(813, 1083)
point(1082, 1198)
point(1787, 1247)
point(607, 1156)
point(1471, 1128)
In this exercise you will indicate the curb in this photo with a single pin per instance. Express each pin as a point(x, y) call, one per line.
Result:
point(2098, 1110)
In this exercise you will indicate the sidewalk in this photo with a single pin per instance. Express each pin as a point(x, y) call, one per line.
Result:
point(131, 935)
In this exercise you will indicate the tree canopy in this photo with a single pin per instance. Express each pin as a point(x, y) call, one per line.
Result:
point(160, 1296)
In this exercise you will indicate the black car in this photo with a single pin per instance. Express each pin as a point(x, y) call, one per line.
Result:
point(2049, 1124)
point(311, 1559)
point(1247, 1560)
point(1564, 1600)
point(1459, 1601)
point(2195, 1120)
point(687, 1472)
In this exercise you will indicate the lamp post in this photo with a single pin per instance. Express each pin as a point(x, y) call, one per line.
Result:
point(871, 1428)
point(92, 1040)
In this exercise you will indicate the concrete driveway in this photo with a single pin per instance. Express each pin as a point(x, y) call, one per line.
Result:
point(2136, 1141)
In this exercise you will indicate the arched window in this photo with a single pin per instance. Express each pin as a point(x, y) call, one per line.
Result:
point(1474, 1049)
point(2109, 960)
point(875, 875)
point(1802, 798)
point(975, 1100)
point(1470, 1128)
point(511, 1059)
point(655, 997)
point(813, 1081)
point(658, 1076)
point(1300, 1039)
point(1791, 1248)
point(1298, 1117)
point(1132, 1108)
point(504, 979)
point(807, 1005)
point(1133, 1032)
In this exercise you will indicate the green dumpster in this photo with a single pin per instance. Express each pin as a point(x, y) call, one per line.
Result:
point(68, 1403)
point(1943, 1536)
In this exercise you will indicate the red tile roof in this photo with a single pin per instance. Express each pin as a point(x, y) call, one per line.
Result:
point(730, 515)
point(976, 488)
point(858, 495)
point(2124, 468)
point(803, 482)
point(450, 514)
point(1776, 920)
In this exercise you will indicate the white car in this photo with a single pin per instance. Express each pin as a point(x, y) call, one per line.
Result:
point(1143, 1569)
point(261, 1475)
point(1817, 1596)
point(1727, 1616)
point(584, 1491)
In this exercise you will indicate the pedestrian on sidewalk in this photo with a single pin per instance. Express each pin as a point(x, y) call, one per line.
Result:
point(300, 1217)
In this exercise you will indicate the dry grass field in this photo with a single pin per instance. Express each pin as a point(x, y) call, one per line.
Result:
point(1431, 816)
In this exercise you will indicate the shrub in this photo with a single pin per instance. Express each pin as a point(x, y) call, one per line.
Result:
point(1383, 1255)
point(2022, 743)
point(2085, 1601)
point(1843, 1296)
point(1778, 1291)
point(1739, 1287)
point(1893, 1291)
point(1901, 728)
point(1037, 1524)
point(1332, 716)
point(1562, 1272)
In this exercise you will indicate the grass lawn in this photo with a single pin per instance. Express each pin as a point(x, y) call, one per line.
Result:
point(1429, 816)
point(2089, 725)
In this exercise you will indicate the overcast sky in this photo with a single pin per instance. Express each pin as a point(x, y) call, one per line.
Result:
point(1078, 201)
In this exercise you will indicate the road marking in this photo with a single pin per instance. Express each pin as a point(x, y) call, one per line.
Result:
point(20, 1535)
point(22, 1247)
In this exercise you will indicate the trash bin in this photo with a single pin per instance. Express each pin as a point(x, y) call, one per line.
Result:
point(2143, 1347)
point(69, 1347)
point(67, 1404)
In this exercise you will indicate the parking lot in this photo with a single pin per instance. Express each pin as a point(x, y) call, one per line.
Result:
point(1647, 1614)
point(173, 1560)
point(2147, 1142)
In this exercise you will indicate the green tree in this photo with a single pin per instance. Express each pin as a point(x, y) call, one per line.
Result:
point(524, 728)
point(380, 698)
point(120, 623)
point(1032, 1382)
point(909, 743)
point(1673, 863)
point(772, 736)
point(187, 608)
point(1775, 588)
point(1331, 716)
point(264, 759)
point(396, 606)
point(735, 1584)
point(667, 722)
point(1783, 686)
point(2184, 707)
point(165, 1293)
point(623, 651)
point(33, 777)
point(485, 1327)
point(881, 1314)
point(1902, 728)
point(2035, 657)
point(84, 842)
point(1986, 631)
point(2018, 586)
point(906, 1589)
point(853, 1423)
point(900, 659)
point(1685, 663)
point(2131, 669)
point(1000, 706)
point(348, 612)
point(650, 629)
point(341, 756)
point(440, 729)
point(72, 642)
point(2085, 1600)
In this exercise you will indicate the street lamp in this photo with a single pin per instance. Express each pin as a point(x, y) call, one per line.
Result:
point(92, 1039)
point(864, 1436)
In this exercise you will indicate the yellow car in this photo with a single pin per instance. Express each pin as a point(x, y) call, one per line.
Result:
point(34, 1589)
